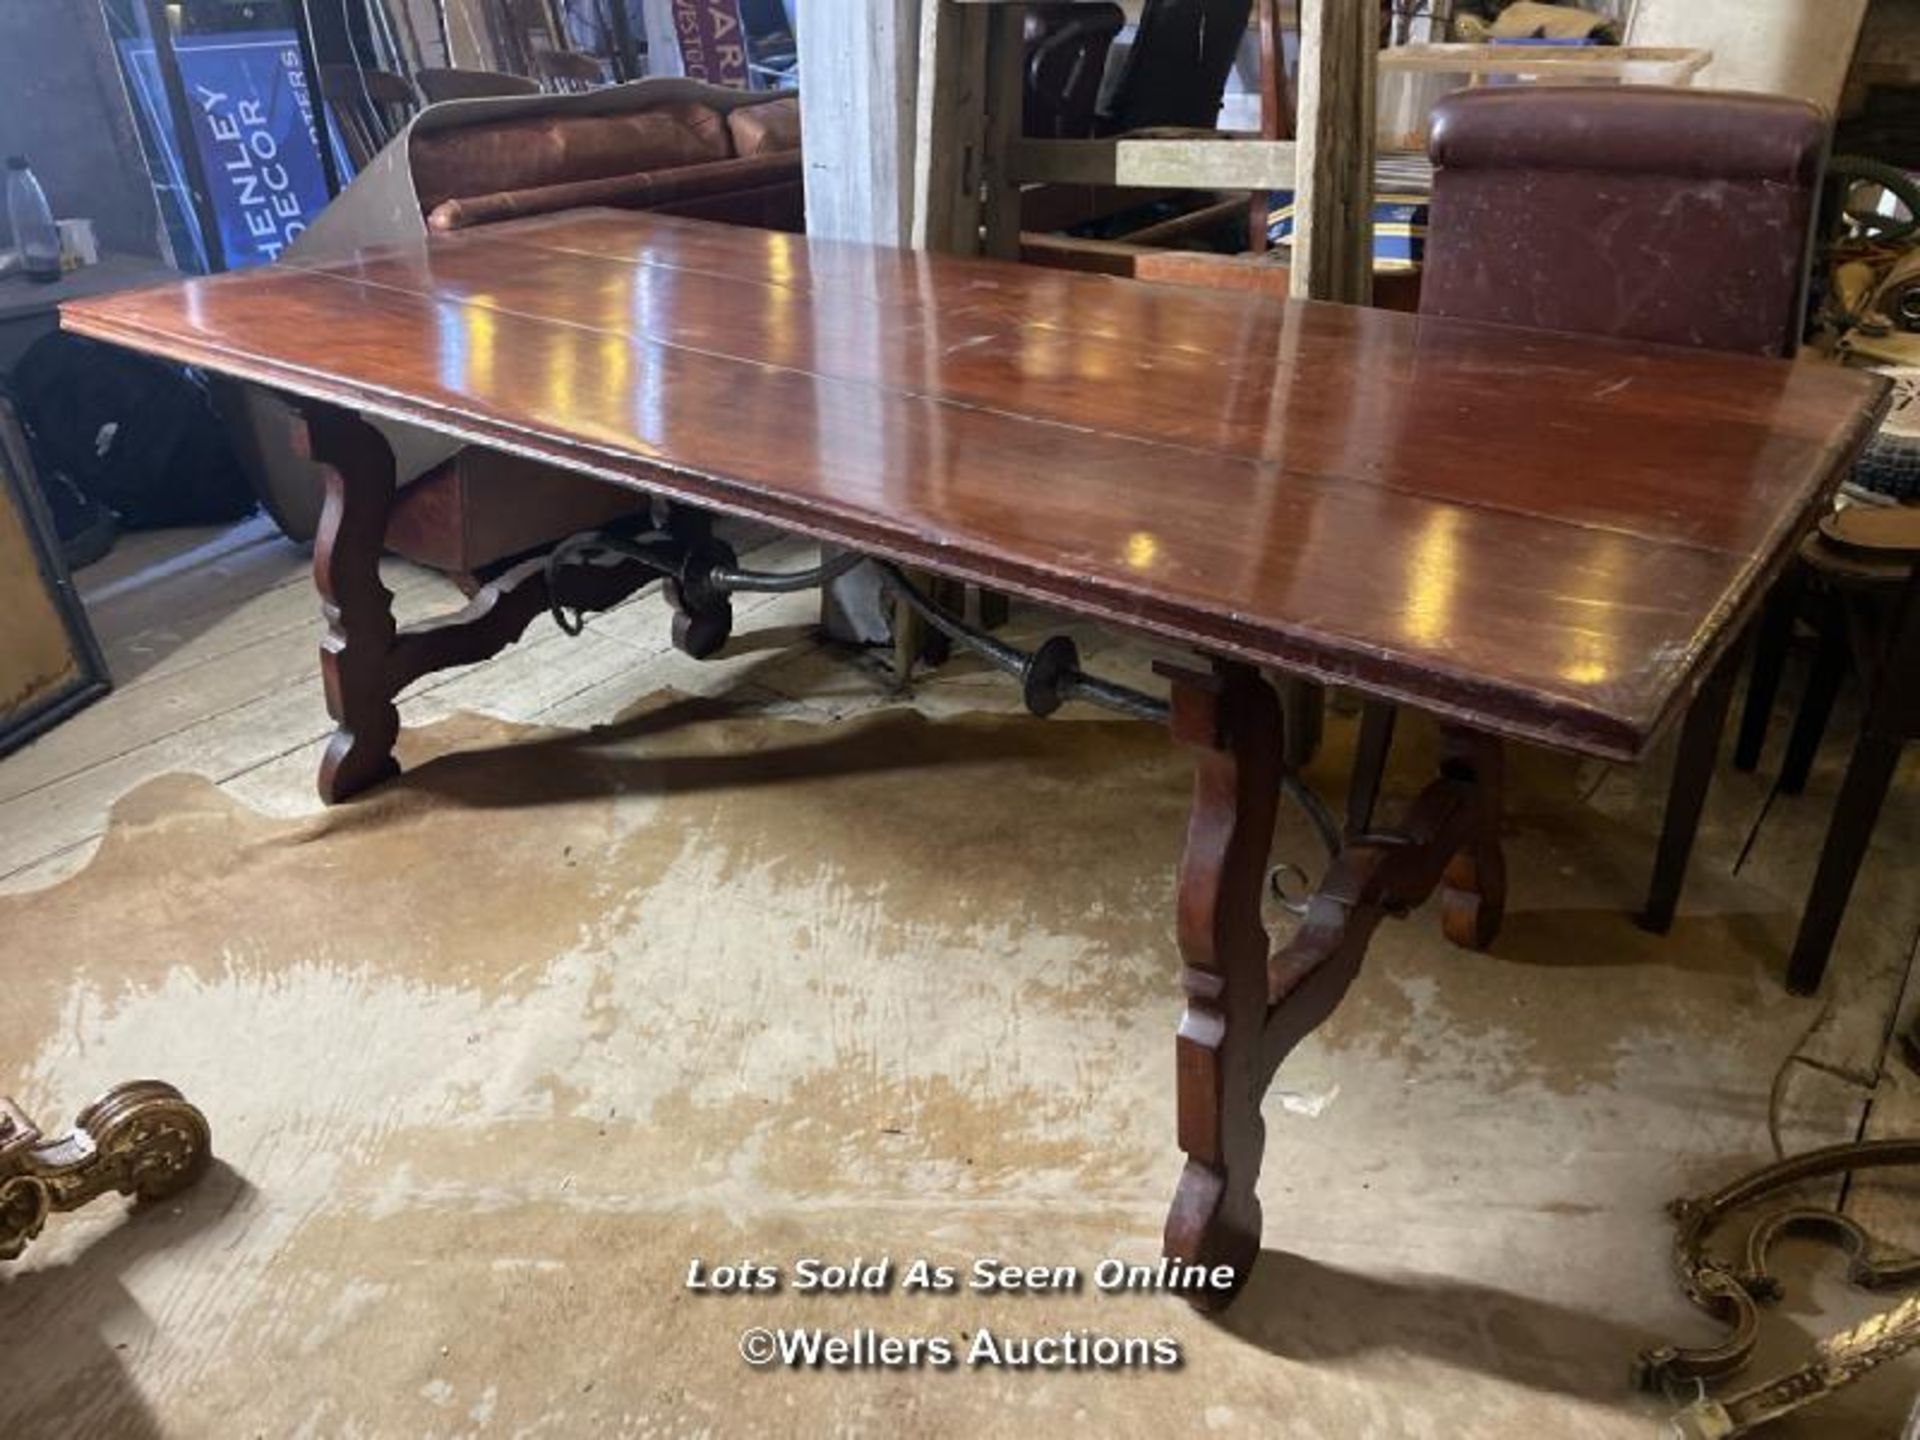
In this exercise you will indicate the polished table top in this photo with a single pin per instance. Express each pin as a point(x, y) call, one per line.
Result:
point(1547, 536)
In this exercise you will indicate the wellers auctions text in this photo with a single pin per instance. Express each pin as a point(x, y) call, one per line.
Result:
point(868, 1349)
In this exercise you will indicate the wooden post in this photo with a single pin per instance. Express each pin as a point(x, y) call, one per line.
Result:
point(1333, 184)
point(949, 127)
point(1332, 255)
point(1276, 107)
point(967, 123)
point(859, 112)
point(860, 60)
point(1006, 108)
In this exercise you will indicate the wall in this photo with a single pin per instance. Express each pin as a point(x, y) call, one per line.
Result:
point(62, 104)
point(1783, 47)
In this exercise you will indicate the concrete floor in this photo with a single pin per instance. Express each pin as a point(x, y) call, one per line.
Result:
point(468, 1148)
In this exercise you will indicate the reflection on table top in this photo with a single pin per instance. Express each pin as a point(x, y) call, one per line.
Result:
point(1548, 535)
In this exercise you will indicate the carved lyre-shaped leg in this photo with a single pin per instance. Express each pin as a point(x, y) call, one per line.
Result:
point(1246, 1008)
point(1231, 719)
point(356, 655)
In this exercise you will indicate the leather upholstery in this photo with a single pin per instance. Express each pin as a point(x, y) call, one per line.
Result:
point(466, 161)
point(636, 190)
point(769, 129)
point(1676, 216)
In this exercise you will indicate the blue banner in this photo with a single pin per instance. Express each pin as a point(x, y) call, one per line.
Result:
point(253, 130)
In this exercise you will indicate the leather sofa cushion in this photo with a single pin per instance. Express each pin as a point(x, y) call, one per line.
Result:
point(772, 128)
point(645, 190)
point(560, 149)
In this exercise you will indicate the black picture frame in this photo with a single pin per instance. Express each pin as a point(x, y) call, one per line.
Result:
point(20, 490)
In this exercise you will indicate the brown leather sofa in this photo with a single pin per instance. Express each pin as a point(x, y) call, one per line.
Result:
point(682, 157)
point(669, 146)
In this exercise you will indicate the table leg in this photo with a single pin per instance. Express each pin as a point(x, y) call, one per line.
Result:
point(366, 661)
point(1247, 1007)
point(357, 464)
point(1473, 886)
point(1849, 833)
point(1830, 663)
point(1303, 705)
point(1773, 639)
point(1231, 719)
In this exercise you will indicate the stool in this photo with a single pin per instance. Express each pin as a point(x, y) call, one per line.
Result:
point(1857, 575)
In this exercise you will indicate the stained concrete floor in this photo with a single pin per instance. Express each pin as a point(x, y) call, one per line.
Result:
point(1465, 1169)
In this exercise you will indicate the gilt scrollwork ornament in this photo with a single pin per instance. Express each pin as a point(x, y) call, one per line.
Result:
point(141, 1138)
point(1839, 1360)
point(1733, 1292)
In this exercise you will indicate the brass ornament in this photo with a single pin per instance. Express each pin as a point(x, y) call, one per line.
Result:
point(1733, 1293)
point(1839, 1361)
point(141, 1138)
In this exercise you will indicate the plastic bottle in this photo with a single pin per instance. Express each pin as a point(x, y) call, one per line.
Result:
point(34, 234)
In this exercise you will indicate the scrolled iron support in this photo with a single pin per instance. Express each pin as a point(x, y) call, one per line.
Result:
point(1050, 676)
point(655, 550)
point(700, 572)
point(787, 582)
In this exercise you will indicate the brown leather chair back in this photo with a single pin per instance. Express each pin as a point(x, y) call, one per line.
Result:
point(458, 162)
point(769, 129)
point(679, 157)
point(1676, 216)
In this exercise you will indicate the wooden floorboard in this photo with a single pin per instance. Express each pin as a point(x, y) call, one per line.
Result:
point(265, 642)
point(219, 629)
point(160, 585)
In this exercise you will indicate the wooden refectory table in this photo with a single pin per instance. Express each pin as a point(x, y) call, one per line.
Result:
point(1535, 537)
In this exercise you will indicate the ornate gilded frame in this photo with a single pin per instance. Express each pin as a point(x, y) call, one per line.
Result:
point(89, 680)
